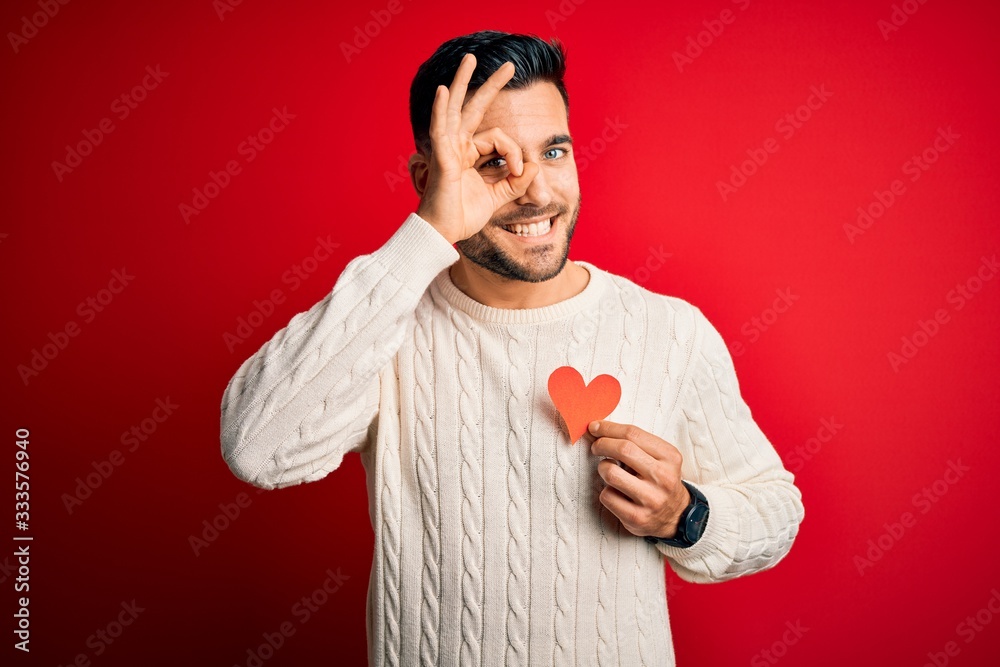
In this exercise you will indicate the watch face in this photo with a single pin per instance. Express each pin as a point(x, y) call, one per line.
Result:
point(696, 521)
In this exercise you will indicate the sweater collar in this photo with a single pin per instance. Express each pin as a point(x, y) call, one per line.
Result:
point(587, 300)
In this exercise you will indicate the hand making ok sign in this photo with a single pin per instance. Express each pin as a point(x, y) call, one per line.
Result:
point(456, 200)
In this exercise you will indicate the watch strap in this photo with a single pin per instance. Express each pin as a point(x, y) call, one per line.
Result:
point(691, 524)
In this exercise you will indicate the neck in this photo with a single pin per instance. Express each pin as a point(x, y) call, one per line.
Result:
point(497, 291)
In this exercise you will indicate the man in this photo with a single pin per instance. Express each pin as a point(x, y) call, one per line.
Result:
point(497, 540)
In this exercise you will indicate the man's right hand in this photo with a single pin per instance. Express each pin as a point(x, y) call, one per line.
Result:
point(456, 200)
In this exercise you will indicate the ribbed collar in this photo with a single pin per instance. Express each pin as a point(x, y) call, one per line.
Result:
point(588, 299)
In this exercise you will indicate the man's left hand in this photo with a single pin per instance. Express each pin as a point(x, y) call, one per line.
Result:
point(649, 497)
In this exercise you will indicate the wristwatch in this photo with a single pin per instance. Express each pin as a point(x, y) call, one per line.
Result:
point(691, 524)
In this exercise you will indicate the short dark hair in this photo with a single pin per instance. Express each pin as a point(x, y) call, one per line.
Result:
point(534, 60)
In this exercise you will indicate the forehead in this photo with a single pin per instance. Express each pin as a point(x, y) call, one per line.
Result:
point(529, 116)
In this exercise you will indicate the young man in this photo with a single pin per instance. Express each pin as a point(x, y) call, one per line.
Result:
point(497, 540)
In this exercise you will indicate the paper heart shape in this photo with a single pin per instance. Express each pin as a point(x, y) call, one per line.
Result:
point(579, 403)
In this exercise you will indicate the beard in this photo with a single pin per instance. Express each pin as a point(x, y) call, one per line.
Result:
point(536, 263)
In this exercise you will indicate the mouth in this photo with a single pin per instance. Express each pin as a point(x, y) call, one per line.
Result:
point(535, 231)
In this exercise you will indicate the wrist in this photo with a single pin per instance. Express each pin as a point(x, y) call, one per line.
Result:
point(691, 523)
point(429, 218)
point(683, 506)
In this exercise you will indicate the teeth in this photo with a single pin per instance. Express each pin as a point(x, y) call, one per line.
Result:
point(533, 229)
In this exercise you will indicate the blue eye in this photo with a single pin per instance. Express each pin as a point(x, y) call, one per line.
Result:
point(562, 151)
point(495, 163)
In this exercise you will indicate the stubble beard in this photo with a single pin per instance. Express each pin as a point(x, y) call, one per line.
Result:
point(543, 262)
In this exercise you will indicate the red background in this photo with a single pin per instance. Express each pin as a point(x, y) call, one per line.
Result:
point(332, 172)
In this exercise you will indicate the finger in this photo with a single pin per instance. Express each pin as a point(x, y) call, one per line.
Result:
point(475, 109)
point(510, 188)
point(649, 443)
point(632, 487)
point(519, 184)
point(625, 451)
point(497, 141)
point(619, 505)
point(437, 130)
point(459, 86)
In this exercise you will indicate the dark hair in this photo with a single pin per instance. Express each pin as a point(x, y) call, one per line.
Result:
point(534, 60)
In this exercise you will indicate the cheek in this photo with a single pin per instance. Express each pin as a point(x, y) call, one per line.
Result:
point(566, 185)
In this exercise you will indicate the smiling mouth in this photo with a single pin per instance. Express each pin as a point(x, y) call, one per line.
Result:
point(533, 229)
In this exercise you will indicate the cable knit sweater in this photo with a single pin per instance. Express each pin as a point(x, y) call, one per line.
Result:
point(491, 547)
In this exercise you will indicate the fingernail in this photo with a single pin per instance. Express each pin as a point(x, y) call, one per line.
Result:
point(594, 425)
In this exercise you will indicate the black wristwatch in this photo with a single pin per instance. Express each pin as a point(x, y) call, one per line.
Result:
point(691, 524)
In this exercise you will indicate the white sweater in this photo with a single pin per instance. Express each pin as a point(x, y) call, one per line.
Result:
point(491, 547)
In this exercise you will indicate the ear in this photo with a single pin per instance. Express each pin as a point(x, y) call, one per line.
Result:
point(418, 172)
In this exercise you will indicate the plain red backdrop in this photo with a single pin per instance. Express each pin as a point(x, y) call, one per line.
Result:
point(331, 173)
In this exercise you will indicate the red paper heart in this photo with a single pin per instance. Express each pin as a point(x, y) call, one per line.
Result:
point(580, 404)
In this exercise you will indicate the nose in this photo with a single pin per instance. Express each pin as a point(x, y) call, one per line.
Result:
point(539, 192)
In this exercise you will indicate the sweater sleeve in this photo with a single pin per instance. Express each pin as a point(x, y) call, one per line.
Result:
point(311, 393)
point(754, 506)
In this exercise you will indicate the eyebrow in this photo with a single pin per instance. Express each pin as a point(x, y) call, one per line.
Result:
point(559, 139)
